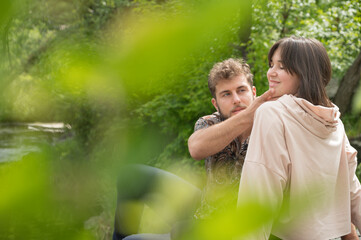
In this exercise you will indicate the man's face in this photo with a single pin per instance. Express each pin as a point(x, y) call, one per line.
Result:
point(233, 95)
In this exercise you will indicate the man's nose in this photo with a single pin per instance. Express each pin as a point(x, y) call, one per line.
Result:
point(236, 99)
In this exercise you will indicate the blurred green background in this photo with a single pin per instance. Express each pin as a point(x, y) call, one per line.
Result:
point(130, 78)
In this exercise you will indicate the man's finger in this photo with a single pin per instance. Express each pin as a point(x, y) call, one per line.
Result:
point(267, 95)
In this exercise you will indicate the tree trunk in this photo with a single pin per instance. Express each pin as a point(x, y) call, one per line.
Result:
point(245, 30)
point(348, 86)
point(356, 143)
point(285, 14)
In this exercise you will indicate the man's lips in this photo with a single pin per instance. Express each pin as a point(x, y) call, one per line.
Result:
point(238, 109)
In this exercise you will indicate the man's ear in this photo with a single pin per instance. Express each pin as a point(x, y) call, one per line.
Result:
point(254, 91)
point(214, 102)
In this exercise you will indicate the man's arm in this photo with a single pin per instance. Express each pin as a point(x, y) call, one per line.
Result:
point(211, 140)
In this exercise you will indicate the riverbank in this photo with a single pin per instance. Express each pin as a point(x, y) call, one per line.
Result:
point(19, 139)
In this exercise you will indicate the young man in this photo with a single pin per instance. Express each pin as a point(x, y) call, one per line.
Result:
point(231, 85)
point(222, 138)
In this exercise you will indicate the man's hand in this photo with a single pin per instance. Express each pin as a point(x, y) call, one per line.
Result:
point(261, 99)
point(249, 112)
point(266, 96)
point(352, 235)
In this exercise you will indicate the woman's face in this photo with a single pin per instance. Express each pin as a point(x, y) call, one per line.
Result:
point(279, 79)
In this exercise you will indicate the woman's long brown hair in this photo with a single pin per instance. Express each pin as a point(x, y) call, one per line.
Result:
point(308, 59)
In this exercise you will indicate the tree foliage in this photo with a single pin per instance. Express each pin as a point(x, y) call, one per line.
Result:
point(130, 76)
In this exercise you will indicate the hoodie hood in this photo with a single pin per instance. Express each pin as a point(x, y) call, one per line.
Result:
point(319, 120)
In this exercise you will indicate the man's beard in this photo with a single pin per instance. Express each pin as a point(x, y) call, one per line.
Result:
point(223, 117)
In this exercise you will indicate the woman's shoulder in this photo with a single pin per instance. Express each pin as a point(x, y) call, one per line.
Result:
point(272, 106)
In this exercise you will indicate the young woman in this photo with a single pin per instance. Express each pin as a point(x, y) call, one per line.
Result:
point(299, 160)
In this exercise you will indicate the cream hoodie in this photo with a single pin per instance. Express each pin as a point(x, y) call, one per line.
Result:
point(300, 163)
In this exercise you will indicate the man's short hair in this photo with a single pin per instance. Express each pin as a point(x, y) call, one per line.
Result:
point(227, 70)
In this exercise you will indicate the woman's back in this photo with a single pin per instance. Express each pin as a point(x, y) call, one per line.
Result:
point(302, 153)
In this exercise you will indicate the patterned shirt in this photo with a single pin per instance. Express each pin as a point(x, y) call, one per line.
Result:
point(223, 172)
